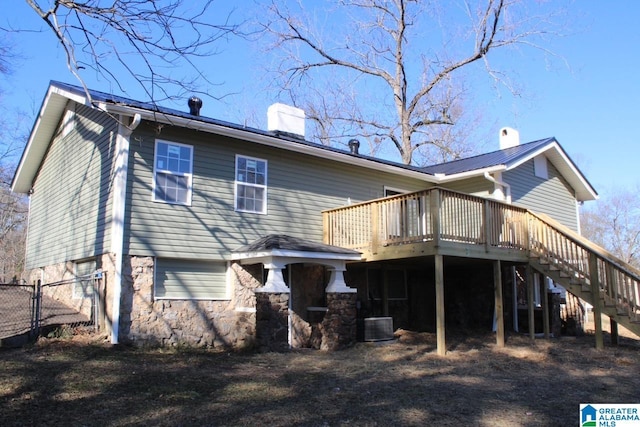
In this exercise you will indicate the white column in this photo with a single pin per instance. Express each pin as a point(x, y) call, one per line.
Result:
point(275, 281)
point(337, 283)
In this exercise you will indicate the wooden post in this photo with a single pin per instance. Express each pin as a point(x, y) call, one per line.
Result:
point(487, 226)
point(614, 332)
point(325, 229)
point(375, 227)
point(594, 281)
point(530, 307)
point(440, 327)
point(435, 216)
point(497, 286)
point(544, 300)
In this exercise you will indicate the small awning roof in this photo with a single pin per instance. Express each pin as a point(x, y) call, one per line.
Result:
point(283, 246)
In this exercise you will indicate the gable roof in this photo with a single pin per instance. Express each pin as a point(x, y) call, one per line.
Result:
point(510, 158)
point(59, 94)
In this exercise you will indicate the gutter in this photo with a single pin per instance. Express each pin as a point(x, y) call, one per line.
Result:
point(271, 141)
point(120, 172)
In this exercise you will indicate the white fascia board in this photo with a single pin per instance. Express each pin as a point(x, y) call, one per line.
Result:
point(43, 129)
point(587, 191)
point(53, 106)
point(271, 141)
point(442, 178)
point(293, 256)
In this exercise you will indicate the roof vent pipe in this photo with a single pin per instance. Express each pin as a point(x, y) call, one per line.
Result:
point(195, 104)
point(354, 145)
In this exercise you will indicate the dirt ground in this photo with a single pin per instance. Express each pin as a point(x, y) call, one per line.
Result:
point(84, 381)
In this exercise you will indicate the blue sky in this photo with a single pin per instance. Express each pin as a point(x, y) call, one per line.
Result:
point(588, 105)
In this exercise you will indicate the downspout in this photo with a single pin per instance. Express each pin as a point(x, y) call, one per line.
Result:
point(121, 165)
point(507, 188)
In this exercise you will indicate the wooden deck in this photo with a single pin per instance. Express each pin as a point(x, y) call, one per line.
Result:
point(441, 222)
point(430, 222)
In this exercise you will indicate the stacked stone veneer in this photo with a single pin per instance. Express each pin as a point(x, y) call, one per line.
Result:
point(272, 318)
point(211, 323)
point(338, 328)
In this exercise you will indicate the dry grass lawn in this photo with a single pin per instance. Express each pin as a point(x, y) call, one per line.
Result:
point(86, 382)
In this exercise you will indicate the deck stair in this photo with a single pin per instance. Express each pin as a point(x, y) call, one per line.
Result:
point(586, 270)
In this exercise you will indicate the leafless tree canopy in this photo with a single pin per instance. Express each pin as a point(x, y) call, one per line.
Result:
point(614, 224)
point(153, 41)
point(398, 61)
point(13, 224)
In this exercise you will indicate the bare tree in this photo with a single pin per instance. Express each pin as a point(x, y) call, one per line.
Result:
point(406, 90)
point(155, 42)
point(614, 223)
point(13, 223)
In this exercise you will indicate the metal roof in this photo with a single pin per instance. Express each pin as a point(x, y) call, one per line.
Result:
point(59, 94)
point(488, 160)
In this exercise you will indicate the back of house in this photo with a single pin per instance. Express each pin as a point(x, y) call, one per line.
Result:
point(165, 203)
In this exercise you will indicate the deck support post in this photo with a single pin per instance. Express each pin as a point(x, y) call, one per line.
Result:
point(615, 338)
point(530, 297)
point(544, 301)
point(499, 310)
point(385, 292)
point(440, 326)
point(594, 280)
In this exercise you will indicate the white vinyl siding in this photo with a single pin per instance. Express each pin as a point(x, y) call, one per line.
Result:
point(173, 165)
point(190, 279)
point(251, 185)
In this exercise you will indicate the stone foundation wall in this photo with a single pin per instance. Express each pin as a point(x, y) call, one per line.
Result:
point(199, 323)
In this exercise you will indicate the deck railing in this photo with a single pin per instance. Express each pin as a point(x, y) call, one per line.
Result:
point(438, 215)
point(605, 275)
point(431, 215)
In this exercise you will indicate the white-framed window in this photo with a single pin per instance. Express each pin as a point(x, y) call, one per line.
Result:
point(172, 172)
point(251, 185)
point(83, 286)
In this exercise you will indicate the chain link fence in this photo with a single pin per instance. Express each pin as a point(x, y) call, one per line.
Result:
point(55, 309)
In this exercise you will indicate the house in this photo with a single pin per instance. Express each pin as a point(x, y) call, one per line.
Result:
point(209, 233)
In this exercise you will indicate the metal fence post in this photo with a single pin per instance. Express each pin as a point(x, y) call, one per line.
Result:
point(35, 310)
